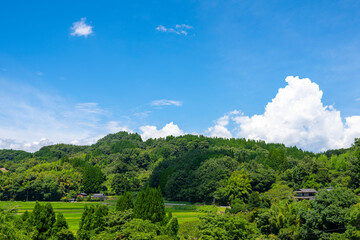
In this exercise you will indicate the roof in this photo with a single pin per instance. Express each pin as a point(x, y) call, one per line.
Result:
point(306, 190)
point(3, 170)
point(99, 195)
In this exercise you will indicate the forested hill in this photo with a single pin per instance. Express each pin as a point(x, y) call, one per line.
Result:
point(191, 168)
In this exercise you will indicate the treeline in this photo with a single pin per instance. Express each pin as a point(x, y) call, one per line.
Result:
point(121, 162)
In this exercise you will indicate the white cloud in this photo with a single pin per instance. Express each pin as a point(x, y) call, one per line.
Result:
point(30, 119)
point(297, 116)
point(164, 102)
point(80, 28)
point(180, 29)
point(115, 126)
point(220, 128)
point(169, 129)
point(27, 146)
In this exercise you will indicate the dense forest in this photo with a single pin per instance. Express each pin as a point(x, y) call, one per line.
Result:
point(255, 178)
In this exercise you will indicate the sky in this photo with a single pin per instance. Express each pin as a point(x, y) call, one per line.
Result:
point(280, 71)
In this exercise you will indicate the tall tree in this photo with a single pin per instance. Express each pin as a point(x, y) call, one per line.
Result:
point(92, 179)
point(124, 202)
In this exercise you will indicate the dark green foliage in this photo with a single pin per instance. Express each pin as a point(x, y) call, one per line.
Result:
point(13, 155)
point(43, 219)
point(92, 220)
point(124, 202)
point(92, 179)
point(149, 205)
point(328, 213)
point(262, 179)
point(172, 227)
point(115, 220)
point(60, 224)
point(237, 205)
point(120, 183)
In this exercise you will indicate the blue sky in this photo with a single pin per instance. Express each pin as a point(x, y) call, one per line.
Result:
point(75, 71)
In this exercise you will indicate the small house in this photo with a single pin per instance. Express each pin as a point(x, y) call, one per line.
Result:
point(3, 170)
point(306, 193)
point(98, 196)
point(82, 195)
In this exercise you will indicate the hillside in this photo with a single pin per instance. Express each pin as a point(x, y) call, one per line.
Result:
point(189, 168)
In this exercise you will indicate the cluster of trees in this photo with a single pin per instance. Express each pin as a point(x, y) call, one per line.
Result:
point(143, 219)
point(40, 224)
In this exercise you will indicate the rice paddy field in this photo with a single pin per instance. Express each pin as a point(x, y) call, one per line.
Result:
point(187, 214)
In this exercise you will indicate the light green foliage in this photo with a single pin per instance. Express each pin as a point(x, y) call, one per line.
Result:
point(139, 229)
point(225, 226)
point(279, 192)
point(238, 185)
point(353, 221)
point(64, 234)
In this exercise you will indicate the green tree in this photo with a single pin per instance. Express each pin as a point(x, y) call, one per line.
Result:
point(92, 221)
point(149, 205)
point(120, 183)
point(238, 185)
point(43, 220)
point(92, 179)
point(60, 224)
point(124, 202)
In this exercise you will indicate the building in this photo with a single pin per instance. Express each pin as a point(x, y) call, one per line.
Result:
point(3, 170)
point(98, 196)
point(306, 193)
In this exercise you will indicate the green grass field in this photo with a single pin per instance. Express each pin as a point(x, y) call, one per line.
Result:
point(73, 211)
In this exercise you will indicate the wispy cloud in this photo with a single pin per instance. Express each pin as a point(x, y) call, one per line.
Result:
point(90, 107)
point(30, 119)
point(164, 102)
point(180, 29)
point(81, 28)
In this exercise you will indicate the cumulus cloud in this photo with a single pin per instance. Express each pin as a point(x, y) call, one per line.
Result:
point(220, 128)
point(169, 129)
point(180, 29)
point(164, 102)
point(81, 28)
point(297, 116)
